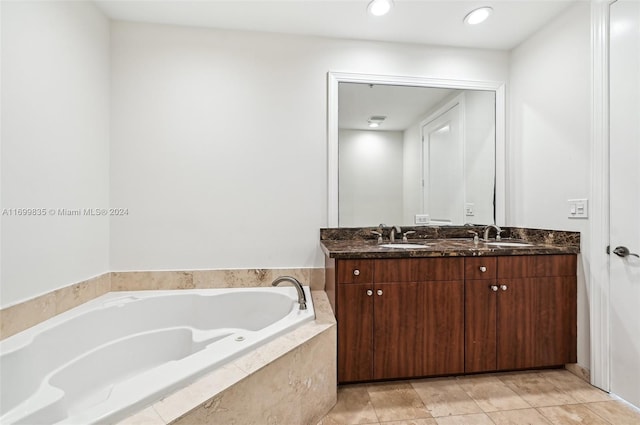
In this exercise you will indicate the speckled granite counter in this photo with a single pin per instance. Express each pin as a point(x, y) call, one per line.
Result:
point(450, 241)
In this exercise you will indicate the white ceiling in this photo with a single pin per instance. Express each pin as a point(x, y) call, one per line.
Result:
point(435, 22)
point(402, 105)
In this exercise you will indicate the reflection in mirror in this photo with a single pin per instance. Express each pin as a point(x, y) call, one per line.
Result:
point(428, 158)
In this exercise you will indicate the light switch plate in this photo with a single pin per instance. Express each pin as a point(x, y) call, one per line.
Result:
point(578, 208)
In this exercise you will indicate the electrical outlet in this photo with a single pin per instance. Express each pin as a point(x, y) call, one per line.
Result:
point(469, 209)
point(421, 219)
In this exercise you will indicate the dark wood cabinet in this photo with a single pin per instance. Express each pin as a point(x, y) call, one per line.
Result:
point(522, 317)
point(414, 317)
point(405, 321)
point(355, 332)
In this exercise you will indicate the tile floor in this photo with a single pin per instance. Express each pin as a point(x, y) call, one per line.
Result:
point(518, 398)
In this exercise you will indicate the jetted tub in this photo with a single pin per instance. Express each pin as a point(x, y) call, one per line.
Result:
point(106, 359)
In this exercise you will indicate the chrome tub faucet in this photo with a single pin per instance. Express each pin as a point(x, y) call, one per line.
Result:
point(302, 298)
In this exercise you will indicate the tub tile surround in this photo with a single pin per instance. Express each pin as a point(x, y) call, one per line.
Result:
point(289, 380)
point(29, 313)
point(24, 315)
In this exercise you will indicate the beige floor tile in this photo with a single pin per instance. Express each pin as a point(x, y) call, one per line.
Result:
point(518, 417)
point(475, 419)
point(327, 420)
point(445, 397)
point(616, 412)
point(428, 421)
point(491, 394)
point(572, 414)
point(353, 407)
point(536, 390)
point(580, 390)
point(396, 401)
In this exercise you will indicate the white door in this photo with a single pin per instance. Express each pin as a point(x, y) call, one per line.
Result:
point(443, 168)
point(624, 267)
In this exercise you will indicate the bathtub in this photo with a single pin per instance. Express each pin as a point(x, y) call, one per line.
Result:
point(108, 358)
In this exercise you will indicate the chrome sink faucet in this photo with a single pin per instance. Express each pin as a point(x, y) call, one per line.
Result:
point(394, 230)
point(302, 298)
point(488, 228)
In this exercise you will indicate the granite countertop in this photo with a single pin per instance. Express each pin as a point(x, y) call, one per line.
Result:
point(360, 244)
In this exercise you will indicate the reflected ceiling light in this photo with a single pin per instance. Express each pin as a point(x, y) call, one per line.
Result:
point(379, 7)
point(478, 15)
point(375, 121)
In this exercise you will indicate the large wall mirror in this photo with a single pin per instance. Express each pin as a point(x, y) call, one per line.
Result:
point(414, 151)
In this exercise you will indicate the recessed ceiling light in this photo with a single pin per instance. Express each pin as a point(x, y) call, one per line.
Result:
point(379, 7)
point(478, 15)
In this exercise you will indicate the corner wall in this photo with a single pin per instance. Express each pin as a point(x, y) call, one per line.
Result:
point(55, 146)
point(548, 148)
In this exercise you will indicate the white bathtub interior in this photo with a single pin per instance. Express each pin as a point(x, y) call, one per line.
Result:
point(109, 357)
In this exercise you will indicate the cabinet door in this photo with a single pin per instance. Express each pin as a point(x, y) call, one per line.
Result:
point(480, 304)
point(355, 332)
point(440, 327)
point(396, 352)
point(516, 324)
point(556, 333)
point(536, 322)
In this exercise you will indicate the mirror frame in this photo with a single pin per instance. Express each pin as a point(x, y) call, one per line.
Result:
point(333, 82)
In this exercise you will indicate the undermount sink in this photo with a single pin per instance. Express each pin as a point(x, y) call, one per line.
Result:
point(512, 244)
point(403, 245)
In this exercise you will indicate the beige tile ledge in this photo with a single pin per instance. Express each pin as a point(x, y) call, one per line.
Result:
point(29, 313)
point(204, 279)
point(21, 316)
point(198, 402)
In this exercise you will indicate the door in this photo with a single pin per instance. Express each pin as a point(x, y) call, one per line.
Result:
point(536, 320)
point(355, 331)
point(443, 167)
point(396, 350)
point(624, 269)
point(480, 303)
point(441, 327)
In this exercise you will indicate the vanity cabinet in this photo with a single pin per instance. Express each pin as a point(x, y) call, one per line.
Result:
point(415, 317)
point(520, 312)
point(399, 318)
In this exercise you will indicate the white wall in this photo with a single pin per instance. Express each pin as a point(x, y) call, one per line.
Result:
point(370, 170)
point(549, 136)
point(55, 135)
point(219, 140)
point(480, 154)
point(412, 173)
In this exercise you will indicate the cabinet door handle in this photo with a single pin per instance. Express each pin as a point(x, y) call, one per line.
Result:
point(369, 292)
point(379, 292)
point(356, 272)
point(483, 269)
point(494, 288)
point(503, 287)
